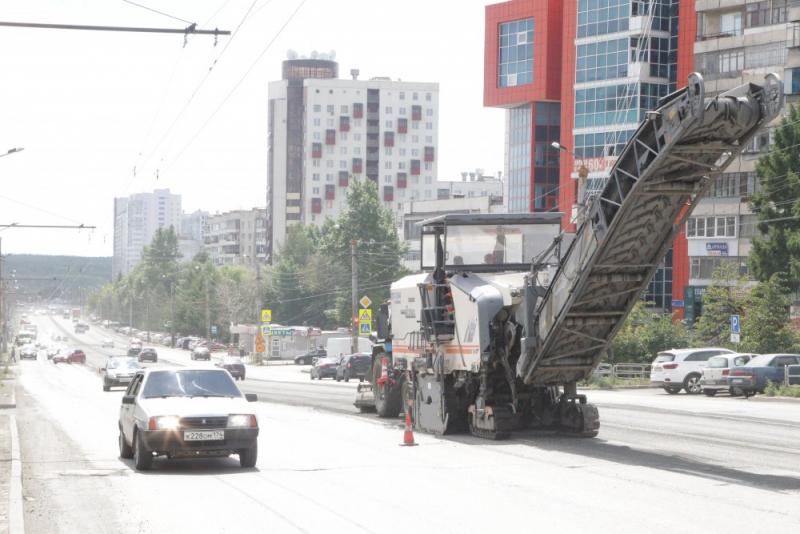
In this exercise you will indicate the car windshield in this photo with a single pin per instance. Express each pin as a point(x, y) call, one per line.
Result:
point(760, 361)
point(190, 383)
point(124, 363)
point(718, 362)
point(665, 357)
point(232, 359)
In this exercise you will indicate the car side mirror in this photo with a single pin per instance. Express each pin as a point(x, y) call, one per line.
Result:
point(128, 399)
point(251, 397)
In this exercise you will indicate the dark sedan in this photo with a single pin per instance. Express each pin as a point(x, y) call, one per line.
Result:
point(324, 368)
point(234, 365)
point(309, 357)
point(201, 353)
point(148, 354)
point(354, 366)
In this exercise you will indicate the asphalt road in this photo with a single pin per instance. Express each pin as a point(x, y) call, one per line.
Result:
point(713, 464)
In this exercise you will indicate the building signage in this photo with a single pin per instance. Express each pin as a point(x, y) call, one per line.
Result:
point(593, 164)
point(717, 249)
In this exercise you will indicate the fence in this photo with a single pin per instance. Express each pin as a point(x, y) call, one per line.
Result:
point(623, 371)
point(792, 375)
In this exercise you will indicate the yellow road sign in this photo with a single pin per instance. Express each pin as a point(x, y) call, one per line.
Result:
point(365, 316)
point(260, 346)
point(365, 301)
point(266, 316)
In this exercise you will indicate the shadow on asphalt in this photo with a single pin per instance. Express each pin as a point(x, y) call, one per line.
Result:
point(622, 454)
point(192, 466)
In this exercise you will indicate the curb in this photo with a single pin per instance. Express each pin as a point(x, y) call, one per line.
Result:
point(16, 514)
point(761, 398)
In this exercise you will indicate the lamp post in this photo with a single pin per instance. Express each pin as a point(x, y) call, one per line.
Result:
point(583, 173)
point(12, 151)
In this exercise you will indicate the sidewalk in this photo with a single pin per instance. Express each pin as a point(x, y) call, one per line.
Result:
point(7, 404)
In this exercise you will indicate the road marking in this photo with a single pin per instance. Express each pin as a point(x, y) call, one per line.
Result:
point(16, 514)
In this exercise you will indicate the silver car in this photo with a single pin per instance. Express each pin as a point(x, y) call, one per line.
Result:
point(186, 412)
point(715, 375)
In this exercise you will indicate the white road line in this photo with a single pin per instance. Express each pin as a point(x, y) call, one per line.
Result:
point(16, 514)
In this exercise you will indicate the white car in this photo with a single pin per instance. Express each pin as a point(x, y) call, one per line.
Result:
point(715, 376)
point(186, 412)
point(678, 369)
point(107, 342)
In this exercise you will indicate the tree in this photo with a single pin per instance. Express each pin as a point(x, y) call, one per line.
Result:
point(726, 296)
point(777, 206)
point(766, 327)
point(645, 334)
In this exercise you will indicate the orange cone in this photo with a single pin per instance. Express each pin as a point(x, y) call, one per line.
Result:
point(408, 434)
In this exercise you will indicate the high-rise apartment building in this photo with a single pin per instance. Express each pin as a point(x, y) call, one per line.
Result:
point(325, 132)
point(237, 237)
point(136, 219)
point(581, 73)
point(736, 42)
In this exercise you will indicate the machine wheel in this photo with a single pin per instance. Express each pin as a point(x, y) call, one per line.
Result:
point(709, 392)
point(735, 392)
point(125, 450)
point(692, 384)
point(495, 435)
point(346, 376)
point(387, 398)
point(248, 457)
point(338, 379)
point(142, 458)
point(672, 391)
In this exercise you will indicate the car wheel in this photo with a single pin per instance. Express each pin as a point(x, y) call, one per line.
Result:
point(125, 450)
point(692, 384)
point(709, 392)
point(337, 378)
point(672, 391)
point(734, 392)
point(346, 376)
point(106, 387)
point(248, 457)
point(142, 458)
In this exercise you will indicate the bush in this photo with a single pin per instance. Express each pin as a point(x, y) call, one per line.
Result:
point(778, 390)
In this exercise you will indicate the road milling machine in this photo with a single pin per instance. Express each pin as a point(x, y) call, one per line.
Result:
point(509, 313)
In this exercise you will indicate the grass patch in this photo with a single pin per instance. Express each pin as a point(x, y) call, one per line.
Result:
point(775, 390)
point(609, 382)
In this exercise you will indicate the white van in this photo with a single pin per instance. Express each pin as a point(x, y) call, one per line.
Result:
point(336, 346)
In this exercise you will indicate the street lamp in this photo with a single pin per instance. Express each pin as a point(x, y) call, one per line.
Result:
point(12, 151)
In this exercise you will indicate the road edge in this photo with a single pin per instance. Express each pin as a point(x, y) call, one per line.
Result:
point(16, 513)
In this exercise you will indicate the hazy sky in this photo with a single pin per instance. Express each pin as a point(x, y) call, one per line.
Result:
point(89, 107)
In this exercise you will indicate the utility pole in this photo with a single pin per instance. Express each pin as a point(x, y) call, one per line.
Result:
point(208, 309)
point(172, 313)
point(3, 321)
point(354, 322)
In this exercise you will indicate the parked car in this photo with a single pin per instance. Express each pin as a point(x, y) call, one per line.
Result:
point(201, 353)
point(148, 354)
point(28, 352)
point(325, 368)
point(715, 376)
point(133, 351)
point(80, 328)
point(53, 351)
point(107, 342)
point(678, 369)
point(354, 366)
point(70, 356)
point(118, 372)
point(308, 357)
point(755, 375)
point(234, 365)
point(186, 413)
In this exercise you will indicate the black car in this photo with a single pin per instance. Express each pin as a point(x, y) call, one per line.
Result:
point(354, 366)
point(201, 353)
point(308, 357)
point(148, 354)
point(134, 351)
point(234, 365)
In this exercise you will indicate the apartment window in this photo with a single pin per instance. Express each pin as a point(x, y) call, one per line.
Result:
point(330, 108)
point(329, 163)
point(358, 110)
point(343, 164)
point(344, 123)
point(315, 177)
point(316, 205)
point(315, 190)
point(703, 267)
point(388, 110)
point(609, 16)
point(388, 193)
point(428, 166)
point(387, 178)
point(402, 125)
point(357, 166)
point(403, 111)
point(415, 167)
point(416, 113)
point(356, 137)
point(344, 179)
point(730, 24)
point(711, 226)
point(766, 12)
point(388, 139)
point(415, 96)
point(329, 150)
point(329, 177)
point(343, 109)
point(316, 150)
point(602, 61)
point(401, 165)
point(387, 151)
point(330, 137)
point(315, 163)
point(387, 164)
point(428, 180)
point(429, 153)
point(317, 136)
point(415, 125)
point(317, 108)
point(401, 180)
point(317, 122)
point(329, 123)
point(765, 55)
point(428, 96)
point(343, 150)
point(402, 96)
point(356, 150)
point(388, 124)
point(429, 126)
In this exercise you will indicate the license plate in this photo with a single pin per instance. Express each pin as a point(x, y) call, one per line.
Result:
point(737, 381)
point(204, 435)
point(124, 379)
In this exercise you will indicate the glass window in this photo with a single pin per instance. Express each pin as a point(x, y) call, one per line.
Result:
point(515, 49)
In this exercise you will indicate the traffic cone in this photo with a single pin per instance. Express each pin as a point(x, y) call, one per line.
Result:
point(408, 433)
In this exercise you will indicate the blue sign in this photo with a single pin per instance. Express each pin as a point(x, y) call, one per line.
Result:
point(213, 330)
point(677, 304)
point(735, 325)
point(717, 249)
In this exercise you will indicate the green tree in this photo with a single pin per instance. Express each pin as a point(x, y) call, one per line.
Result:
point(777, 205)
point(645, 334)
point(726, 296)
point(765, 326)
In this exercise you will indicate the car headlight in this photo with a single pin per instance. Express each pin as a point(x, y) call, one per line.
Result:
point(242, 421)
point(164, 422)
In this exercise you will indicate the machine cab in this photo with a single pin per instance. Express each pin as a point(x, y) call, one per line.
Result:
point(486, 243)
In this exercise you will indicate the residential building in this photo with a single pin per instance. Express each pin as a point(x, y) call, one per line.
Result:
point(193, 229)
point(237, 237)
point(581, 73)
point(325, 132)
point(472, 184)
point(136, 219)
point(736, 42)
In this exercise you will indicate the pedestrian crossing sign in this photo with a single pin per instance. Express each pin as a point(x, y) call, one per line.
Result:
point(365, 328)
point(365, 315)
